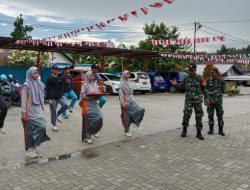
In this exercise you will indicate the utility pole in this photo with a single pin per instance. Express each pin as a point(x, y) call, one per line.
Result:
point(195, 29)
point(197, 26)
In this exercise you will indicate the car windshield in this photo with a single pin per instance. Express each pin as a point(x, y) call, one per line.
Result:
point(143, 76)
point(159, 78)
point(113, 77)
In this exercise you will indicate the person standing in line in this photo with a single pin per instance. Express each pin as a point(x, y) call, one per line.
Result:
point(3, 111)
point(194, 86)
point(68, 90)
point(213, 100)
point(94, 115)
point(54, 93)
point(32, 108)
point(132, 113)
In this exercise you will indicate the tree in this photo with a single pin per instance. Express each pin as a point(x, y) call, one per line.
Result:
point(162, 31)
point(20, 31)
point(24, 57)
point(27, 58)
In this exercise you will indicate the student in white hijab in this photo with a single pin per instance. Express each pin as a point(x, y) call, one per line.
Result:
point(94, 114)
point(132, 113)
point(32, 108)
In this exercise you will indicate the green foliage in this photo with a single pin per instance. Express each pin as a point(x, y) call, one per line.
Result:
point(162, 31)
point(27, 58)
point(232, 91)
point(225, 51)
point(20, 31)
point(86, 59)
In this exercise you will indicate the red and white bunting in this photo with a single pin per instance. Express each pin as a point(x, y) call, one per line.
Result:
point(134, 13)
point(144, 10)
point(217, 58)
point(186, 41)
point(168, 1)
point(219, 38)
point(123, 18)
point(157, 5)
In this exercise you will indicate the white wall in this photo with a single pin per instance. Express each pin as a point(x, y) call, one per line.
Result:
point(58, 58)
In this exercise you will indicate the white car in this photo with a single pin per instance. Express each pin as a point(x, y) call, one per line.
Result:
point(139, 81)
point(111, 82)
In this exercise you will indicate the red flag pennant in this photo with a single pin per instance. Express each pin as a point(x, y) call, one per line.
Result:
point(168, 1)
point(134, 13)
point(102, 24)
point(98, 26)
point(156, 5)
point(144, 10)
point(123, 18)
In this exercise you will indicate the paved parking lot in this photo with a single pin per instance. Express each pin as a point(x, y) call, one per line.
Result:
point(155, 158)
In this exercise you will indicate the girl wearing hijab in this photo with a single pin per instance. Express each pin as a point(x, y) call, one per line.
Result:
point(93, 113)
point(132, 113)
point(32, 108)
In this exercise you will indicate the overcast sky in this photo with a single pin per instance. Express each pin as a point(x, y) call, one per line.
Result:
point(83, 13)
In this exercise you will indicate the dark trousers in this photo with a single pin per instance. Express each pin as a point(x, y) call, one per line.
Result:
point(3, 111)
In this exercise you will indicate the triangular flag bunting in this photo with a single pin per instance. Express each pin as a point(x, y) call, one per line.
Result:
point(134, 13)
point(156, 5)
point(144, 10)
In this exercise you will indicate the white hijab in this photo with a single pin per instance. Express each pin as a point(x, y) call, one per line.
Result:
point(92, 87)
point(36, 87)
point(124, 84)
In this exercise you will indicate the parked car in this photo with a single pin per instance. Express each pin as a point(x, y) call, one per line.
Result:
point(139, 81)
point(178, 76)
point(157, 82)
point(111, 82)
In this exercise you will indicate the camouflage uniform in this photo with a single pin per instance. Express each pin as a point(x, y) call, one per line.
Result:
point(214, 93)
point(193, 99)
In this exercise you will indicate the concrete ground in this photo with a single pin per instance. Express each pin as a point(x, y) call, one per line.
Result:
point(155, 158)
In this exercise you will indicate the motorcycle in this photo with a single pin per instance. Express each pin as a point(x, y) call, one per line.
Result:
point(11, 93)
point(6, 94)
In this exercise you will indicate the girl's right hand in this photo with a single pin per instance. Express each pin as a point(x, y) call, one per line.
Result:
point(123, 105)
point(24, 118)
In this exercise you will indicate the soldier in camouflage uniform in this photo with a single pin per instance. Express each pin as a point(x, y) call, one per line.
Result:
point(194, 87)
point(213, 100)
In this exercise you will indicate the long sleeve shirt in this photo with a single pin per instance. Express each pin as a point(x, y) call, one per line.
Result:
point(54, 88)
point(193, 87)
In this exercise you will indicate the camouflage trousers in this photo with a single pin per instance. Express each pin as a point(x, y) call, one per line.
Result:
point(187, 113)
point(219, 112)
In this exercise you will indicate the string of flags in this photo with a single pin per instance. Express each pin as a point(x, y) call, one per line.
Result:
point(103, 24)
point(61, 44)
point(185, 41)
point(236, 58)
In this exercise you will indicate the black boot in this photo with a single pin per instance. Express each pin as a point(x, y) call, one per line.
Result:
point(211, 130)
point(221, 131)
point(184, 132)
point(199, 135)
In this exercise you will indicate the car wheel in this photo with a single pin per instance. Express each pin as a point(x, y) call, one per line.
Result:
point(109, 89)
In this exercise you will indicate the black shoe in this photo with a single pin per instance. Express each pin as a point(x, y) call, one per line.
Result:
point(184, 132)
point(211, 130)
point(221, 131)
point(199, 135)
